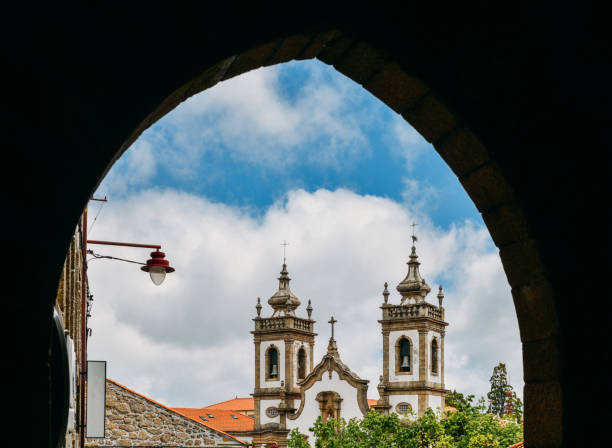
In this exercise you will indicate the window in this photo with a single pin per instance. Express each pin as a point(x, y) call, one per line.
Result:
point(404, 351)
point(272, 412)
point(434, 356)
point(403, 408)
point(301, 362)
point(272, 367)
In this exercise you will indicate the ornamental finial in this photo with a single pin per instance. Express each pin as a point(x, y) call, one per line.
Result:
point(258, 307)
point(413, 288)
point(440, 295)
point(309, 309)
point(386, 293)
point(284, 302)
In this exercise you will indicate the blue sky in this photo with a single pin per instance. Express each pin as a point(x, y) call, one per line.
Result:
point(375, 152)
point(294, 152)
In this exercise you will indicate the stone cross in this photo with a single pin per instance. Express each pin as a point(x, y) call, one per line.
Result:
point(414, 238)
point(332, 321)
point(284, 244)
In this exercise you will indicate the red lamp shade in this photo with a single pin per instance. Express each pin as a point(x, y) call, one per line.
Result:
point(157, 267)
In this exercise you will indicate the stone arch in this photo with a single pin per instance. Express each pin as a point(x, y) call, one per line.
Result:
point(402, 339)
point(301, 363)
point(272, 356)
point(434, 356)
point(330, 404)
point(473, 163)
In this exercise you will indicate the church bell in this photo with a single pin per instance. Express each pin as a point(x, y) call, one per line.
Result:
point(405, 362)
point(274, 370)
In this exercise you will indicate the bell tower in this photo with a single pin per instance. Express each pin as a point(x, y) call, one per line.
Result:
point(413, 347)
point(284, 347)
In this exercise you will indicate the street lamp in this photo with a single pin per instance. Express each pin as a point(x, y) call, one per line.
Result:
point(157, 266)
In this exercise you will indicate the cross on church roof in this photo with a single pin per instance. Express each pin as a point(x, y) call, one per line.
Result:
point(284, 244)
point(414, 238)
point(332, 321)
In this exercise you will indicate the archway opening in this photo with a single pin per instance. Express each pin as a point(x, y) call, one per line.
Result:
point(308, 156)
point(434, 122)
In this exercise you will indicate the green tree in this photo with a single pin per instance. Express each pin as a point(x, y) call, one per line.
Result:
point(468, 427)
point(515, 407)
point(297, 440)
point(458, 400)
point(500, 391)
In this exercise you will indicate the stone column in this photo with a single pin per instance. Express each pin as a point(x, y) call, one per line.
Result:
point(257, 364)
point(289, 364)
point(385, 334)
point(422, 355)
point(311, 355)
point(423, 403)
point(442, 333)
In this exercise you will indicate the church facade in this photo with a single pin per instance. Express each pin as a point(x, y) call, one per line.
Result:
point(291, 391)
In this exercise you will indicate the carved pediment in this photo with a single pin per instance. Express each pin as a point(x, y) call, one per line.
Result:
point(332, 363)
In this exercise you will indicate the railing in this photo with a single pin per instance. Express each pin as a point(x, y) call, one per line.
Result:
point(414, 310)
point(284, 323)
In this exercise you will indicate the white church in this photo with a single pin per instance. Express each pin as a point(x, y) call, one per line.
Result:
point(291, 391)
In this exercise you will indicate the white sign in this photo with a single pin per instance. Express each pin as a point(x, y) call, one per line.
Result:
point(96, 398)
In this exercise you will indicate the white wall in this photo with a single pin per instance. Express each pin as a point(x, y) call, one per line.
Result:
point(435, 403)
point(263, 417)
point(414, 338)
point(280, 345)
point(349, 406)
point(413, 400)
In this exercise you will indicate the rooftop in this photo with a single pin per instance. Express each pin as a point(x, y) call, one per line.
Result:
point(220, 419)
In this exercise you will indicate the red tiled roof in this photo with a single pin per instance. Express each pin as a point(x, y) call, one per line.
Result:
point(372, 402)
point(521, 444)
point(221, 420)
point(174, 410)
point(235, 404)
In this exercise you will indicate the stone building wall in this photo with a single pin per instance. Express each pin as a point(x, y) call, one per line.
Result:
point(68, 306)
point(135, 420)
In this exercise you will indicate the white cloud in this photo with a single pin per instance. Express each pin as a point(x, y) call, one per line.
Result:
point(137, 168)
point(187, 343)
point(250, 119)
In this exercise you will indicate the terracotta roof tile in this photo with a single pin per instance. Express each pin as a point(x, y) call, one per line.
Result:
point(222, 419)
point(235, 404)
point(521, 444)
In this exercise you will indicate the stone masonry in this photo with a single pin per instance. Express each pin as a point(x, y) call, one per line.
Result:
point(135, 420)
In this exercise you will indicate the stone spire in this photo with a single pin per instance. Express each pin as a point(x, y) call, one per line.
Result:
point(284, 302)
point(413, 286)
